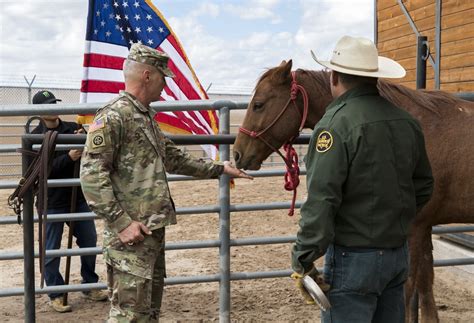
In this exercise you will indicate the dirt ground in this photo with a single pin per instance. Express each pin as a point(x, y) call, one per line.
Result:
point(268, 300)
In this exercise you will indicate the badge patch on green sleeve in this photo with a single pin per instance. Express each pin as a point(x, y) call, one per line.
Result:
point(324, 142)
point(97, 139)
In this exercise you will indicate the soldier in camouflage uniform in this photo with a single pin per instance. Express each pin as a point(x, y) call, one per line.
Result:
point(123, 177)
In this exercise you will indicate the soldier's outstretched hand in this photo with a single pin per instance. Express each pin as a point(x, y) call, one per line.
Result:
point(229, 169)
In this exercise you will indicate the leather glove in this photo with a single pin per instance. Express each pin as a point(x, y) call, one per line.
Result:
point(317, 277)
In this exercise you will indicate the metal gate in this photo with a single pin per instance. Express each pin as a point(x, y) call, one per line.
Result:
point(224, 208)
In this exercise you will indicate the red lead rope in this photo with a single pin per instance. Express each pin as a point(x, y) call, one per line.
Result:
point(292, 179)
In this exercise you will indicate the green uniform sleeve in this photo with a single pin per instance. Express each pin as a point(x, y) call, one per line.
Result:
point(327, 167)
point(179, 162)
point(96, 167)
point(422, 176)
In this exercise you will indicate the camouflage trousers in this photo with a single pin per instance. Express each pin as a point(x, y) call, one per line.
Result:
point(136, 292)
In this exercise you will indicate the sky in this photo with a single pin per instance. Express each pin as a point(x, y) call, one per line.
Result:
point(229, 43)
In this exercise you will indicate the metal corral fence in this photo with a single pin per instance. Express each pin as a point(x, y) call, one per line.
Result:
point(224, 209)
point(13, 127)
point(11, 133)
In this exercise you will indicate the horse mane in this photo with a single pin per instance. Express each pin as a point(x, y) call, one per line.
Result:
point(320, 79)
point(433, 101)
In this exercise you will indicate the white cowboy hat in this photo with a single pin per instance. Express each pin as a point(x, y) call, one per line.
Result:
point(359, 56)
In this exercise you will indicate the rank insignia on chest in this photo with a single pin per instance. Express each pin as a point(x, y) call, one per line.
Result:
point(98, 140)
point(324, 142)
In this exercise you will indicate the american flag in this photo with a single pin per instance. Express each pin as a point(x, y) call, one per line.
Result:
point(112, 27)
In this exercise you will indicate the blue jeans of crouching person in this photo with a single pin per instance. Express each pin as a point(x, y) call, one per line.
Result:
point(366, 284)
point(86, 237)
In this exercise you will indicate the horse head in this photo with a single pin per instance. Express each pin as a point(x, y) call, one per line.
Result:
point(271, 118)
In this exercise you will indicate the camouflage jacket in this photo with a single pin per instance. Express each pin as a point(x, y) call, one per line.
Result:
point(124, 164)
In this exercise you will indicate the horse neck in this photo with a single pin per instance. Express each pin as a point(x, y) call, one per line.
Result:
point(316, 84)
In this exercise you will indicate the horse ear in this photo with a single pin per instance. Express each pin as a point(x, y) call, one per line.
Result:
point(282, 73)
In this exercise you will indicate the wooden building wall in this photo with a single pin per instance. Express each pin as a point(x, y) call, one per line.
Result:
point(397, 40)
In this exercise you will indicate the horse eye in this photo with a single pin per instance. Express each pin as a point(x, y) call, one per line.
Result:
point(257, 106)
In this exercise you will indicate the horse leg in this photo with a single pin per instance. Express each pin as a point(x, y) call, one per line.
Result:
point(410, 294)
point(425, 278)
point(414, 244)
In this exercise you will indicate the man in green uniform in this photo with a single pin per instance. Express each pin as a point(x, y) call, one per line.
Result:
point(367, 176)
point(123, 177)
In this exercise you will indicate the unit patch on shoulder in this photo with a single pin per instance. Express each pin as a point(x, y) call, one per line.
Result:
point(98, 139)
point(324, 142)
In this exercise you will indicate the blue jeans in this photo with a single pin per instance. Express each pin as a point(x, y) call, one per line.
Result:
point(86, 237)
point(366, 284)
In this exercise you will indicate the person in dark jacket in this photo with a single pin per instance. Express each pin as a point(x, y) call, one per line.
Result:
point(59, 201)
point(367, 176)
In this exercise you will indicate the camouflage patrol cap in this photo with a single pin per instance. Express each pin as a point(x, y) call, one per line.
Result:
point(150, 56)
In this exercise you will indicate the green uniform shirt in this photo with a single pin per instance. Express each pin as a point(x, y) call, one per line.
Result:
point(367, 174)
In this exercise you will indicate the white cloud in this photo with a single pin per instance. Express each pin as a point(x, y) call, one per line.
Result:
point(255, 40)
point(42, 38)
point(324, 22)
point(267, 3)
point(253, 10)
point(207, 9)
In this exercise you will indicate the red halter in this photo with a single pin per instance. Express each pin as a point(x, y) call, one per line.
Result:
point(291, 160)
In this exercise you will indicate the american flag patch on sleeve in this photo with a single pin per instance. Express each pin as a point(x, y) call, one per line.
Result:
point(97, 124)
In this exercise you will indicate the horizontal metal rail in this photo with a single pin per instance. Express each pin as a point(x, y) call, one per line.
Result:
point(180, 211)
point(177, 139)
point(468, 96)
point(66, 182)
point(11, 135)
point(202, 279)
point(453, 229)
point(196, 244)
point(168, 281)
point(14, 125)
point(10, 175)
point(6, 149)
point(10, 148)
point(12, 110)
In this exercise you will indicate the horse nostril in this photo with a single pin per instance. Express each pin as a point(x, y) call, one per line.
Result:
point(236, 156)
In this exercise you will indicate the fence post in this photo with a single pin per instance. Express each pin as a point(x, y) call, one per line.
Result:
point(422, 54)
point(28, 242)
point(224, 224)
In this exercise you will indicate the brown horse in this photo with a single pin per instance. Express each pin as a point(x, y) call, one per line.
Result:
point(448, 124)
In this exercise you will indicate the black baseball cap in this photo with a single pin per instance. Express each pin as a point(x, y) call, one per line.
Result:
point(44, 97)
